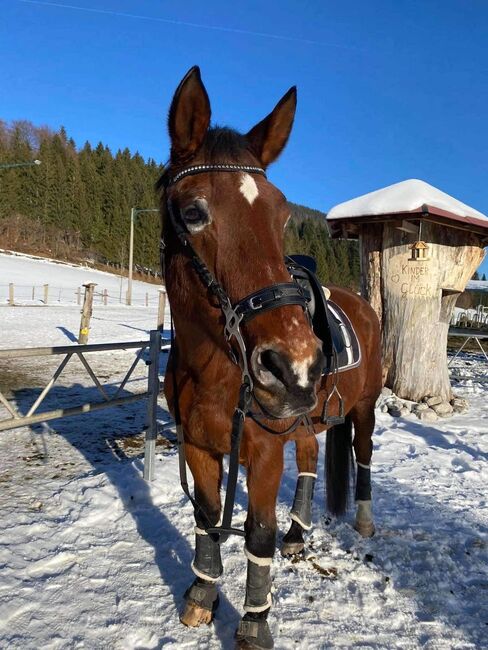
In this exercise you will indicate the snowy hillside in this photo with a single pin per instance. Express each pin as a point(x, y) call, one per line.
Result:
point(28, 272)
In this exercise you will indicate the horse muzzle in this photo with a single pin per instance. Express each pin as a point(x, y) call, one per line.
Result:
point(284, 383)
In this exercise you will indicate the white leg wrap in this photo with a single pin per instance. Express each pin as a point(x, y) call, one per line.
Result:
point(261, 608)
point(260, 561)
point(258, 583)
point(307, 474)
point(296, 518)
point(202, 575)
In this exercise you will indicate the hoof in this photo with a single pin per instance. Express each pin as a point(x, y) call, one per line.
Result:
point(365, 528)
point(291, 548)
point(194, 615)
point(254, 634)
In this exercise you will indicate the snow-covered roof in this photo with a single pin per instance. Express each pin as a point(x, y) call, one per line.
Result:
point(407, 196)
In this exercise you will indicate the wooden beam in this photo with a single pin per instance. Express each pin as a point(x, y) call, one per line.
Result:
point(407, 226)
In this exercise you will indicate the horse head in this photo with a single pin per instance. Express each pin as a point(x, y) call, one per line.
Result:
point(235, 221)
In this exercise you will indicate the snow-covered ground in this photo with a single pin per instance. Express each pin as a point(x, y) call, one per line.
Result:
point(92, 556)
point(29, 273)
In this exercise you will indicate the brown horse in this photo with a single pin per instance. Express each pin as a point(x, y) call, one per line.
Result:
point(218, 206)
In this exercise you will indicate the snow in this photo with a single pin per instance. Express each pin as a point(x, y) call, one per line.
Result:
point(28, 271)
point(405, 196)
point(94, 557)
point(477, 285)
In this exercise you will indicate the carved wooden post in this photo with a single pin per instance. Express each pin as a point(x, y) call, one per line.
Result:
point(419, 247)
point(86, 313)
point(161, 309)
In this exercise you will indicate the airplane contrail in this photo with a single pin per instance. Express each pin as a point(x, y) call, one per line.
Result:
point(184, 23)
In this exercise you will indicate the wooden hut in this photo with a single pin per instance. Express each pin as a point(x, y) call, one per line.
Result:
point(419, 247)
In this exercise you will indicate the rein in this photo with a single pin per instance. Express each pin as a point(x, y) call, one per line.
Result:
point(261, 301)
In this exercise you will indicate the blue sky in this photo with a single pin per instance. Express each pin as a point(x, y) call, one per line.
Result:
point(388, 90)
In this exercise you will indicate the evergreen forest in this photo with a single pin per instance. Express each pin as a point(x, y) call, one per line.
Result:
point(76, 206)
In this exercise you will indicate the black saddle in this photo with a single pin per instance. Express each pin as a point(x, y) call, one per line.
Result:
point(330, 324)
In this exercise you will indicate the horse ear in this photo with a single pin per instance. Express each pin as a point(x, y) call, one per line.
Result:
point(189, 116)
point(269, 137)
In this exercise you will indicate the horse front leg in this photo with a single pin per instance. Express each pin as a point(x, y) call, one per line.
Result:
point(202, 596)
point(363, 418)
point(307, 450)
point(264, 470)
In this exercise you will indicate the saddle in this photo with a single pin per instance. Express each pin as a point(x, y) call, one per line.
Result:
point(330, 324)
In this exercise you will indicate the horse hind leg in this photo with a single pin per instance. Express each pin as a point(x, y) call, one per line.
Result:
point(364, 420)
point(201, 598)
point(301, 511)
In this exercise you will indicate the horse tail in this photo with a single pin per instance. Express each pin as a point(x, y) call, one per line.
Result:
point(338, 465)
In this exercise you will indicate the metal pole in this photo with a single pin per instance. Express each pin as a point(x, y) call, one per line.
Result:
point(131, 254)
point(152, 405)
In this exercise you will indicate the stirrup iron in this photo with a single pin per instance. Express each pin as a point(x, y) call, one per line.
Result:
point(333, 420)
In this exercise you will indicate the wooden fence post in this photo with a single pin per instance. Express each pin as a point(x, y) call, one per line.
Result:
point(161, 308)
point(147, 299)
point(33, 293)
point(78, 296)
point(11, 294)
point(46, 293)
point(86, 312)
point(105, 297)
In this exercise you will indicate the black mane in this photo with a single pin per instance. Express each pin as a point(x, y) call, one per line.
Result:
point(221, 145)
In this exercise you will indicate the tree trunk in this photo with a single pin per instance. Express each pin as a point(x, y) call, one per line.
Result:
point(418, 302)
point(370, 245)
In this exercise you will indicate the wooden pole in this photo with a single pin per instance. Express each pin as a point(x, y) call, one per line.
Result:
point(46, 293)
point(86, 313)
point(161, 309)
point(78, 296)
point(33, 293)
point(147, 299)
point(11, 294)
point(105, 297)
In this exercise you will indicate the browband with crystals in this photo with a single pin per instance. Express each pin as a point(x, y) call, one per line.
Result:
point(198, 169)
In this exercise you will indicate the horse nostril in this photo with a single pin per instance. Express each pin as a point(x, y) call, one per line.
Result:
point(275, 364)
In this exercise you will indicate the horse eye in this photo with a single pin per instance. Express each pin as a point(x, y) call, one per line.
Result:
point(192, 214)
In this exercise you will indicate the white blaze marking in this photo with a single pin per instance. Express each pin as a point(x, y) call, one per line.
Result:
point(248, 188)
point(300, 368)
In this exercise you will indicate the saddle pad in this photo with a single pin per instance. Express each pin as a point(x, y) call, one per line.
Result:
point(345, 342)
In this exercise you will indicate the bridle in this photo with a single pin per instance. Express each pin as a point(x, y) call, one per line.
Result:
point(268, 298)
